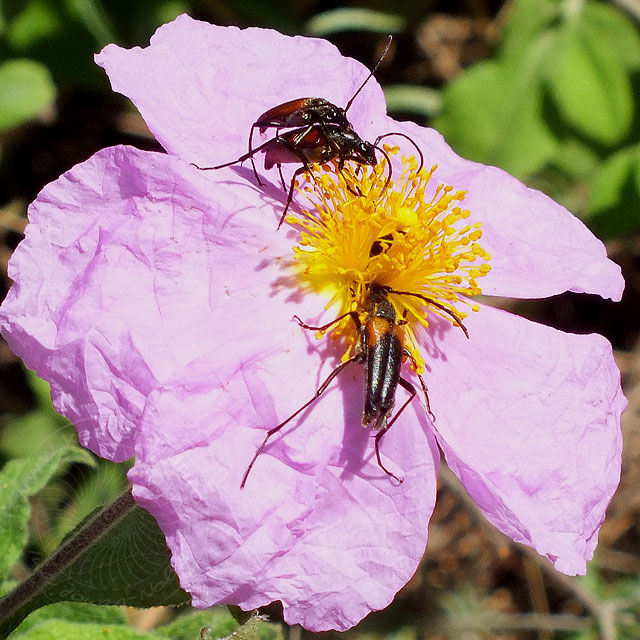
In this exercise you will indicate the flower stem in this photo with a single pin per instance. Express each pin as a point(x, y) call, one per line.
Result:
point(17, 604)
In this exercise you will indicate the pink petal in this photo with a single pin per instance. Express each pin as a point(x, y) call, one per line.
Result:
point(186, 83)
point(132, 262)
point(200, 87)
point(538, 248)
point(157, 301)
point(529, 420)
point(318, 526)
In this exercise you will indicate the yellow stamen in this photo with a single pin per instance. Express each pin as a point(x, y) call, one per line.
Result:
point(359, 232)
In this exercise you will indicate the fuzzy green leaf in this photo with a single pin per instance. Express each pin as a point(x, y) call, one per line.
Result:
point(58, 629)
point(72, 612)
point(217, 622)
point(128, 566)
point(19, 480)
point(116, 557)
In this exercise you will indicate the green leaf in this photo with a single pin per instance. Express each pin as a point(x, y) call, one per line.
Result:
point(612, 175)
point(527, 22)
point(52, 33)
point(412, 99)
point(42, 390)
point(613, 206)
point(612, 25)
point(19, 480)
point(170, 10)
point(354, 19)
point(258, 627)
point(37, 21)
point(27, 91)
point(470, 108)
point(35, 433)
point(61, 629)
point(588, 81)
point(218, 623)
point(217, 619)
point(38, 431)
point(129, 566)
point(7, 586)
point(494, 116)
point(117, 557)
point(575, 158)
point(102, 486)
point(94, 18)
point(72, 612)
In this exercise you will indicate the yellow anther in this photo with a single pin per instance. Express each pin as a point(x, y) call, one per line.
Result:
point(359, 232)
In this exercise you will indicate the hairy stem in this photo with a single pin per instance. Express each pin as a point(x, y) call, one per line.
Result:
point(15, 606)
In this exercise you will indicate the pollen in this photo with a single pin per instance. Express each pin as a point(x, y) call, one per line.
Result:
point(363, 225)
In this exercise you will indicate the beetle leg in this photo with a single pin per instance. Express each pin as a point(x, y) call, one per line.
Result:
point(341, 161)
point(425, 391)
point(293, 147)
point(253, 164)
point(239, 160)
point(412, 390)
point(321, 389)
point(357, 191)
point(284, 186)
point(426, 397)
point(296, 173)
point(324, 327)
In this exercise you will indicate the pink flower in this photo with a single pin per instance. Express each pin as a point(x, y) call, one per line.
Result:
point(154, 298)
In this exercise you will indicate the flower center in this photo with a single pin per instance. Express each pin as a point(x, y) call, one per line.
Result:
point(361, 230)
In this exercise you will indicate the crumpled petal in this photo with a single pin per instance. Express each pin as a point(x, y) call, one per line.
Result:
point(537, 247)
point(529, 420)
point(185, 84)
point(123, 277)
point(188, 89)
point(156, 299)
point(319, 525)
point(135, 265)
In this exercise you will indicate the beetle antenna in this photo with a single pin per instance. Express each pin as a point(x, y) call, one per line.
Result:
point(386, 155)
point(380, 59)
point(434, 303)
point(404, 135)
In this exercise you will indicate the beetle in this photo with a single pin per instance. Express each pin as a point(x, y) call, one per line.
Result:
point(319, 132)
point(381, 350)
point(305, 112)
point(315, 144)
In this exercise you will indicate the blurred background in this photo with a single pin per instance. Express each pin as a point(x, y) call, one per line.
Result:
point(546, 89)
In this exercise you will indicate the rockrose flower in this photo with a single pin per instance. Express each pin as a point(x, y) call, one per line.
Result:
point(158, 301)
